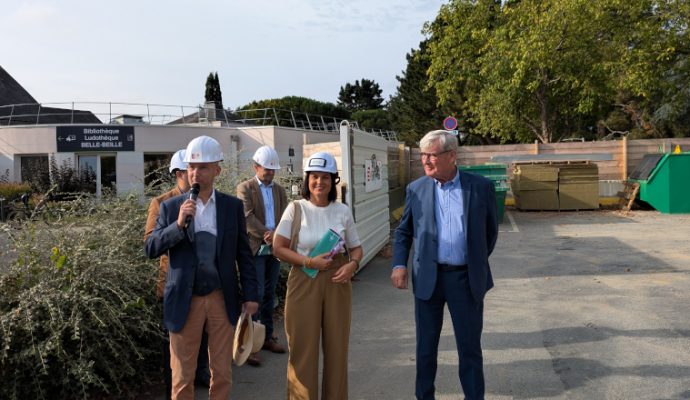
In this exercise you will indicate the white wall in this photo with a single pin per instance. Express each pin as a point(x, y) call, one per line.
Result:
point(370, 209)
point(26, 140)
point(130, 172)
point(280, 138)
point(41, 140)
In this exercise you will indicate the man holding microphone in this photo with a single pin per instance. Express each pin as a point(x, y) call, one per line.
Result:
point(209, 257)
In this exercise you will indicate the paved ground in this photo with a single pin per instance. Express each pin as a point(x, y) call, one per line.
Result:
point(587, 305)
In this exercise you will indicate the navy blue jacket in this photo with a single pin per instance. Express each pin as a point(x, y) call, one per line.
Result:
point(233, 258)
point(418, 227)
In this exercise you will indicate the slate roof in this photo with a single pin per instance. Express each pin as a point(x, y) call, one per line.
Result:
point(11, 92)
point(18, 107)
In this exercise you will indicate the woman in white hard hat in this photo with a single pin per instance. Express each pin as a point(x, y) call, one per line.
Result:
point(319, 308)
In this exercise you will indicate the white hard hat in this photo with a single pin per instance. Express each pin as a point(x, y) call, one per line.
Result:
point(267, 157)
point(322, 162)
point(203, 149)
point(177, 161)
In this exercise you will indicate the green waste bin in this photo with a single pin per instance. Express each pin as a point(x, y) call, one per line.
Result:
point(498, 175)
point(501, 202)
point(663, 180)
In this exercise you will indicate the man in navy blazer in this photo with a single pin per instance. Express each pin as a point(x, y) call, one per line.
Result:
point(209, 257)
point(450, 222)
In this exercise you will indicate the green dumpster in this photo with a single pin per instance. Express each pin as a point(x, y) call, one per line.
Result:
point(664, 182)
point(497, 174)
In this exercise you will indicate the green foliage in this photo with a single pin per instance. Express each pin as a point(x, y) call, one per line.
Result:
point(547, 69)
point(36, 172)
point(654, 67)
point(372, 119)
point(78, 314)
point(67, 179)
point(213, 92)
point(413, 109)
point(13, 190)
point(282, 108)
point(364, 95)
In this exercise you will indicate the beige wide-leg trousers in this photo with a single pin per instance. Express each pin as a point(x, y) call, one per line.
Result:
point(317, 310)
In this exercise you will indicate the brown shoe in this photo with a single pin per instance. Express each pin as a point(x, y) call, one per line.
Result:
point(272, 345)
point(254, 360)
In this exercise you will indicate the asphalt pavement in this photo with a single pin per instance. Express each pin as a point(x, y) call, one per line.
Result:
point(587, 305)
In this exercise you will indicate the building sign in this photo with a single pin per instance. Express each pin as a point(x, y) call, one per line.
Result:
point(95, 138)
point(372, 174)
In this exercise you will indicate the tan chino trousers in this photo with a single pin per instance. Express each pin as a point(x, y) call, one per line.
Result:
point(317, 309)
point(184, 346)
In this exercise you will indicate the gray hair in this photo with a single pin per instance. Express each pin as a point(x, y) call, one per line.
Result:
point(447, 140)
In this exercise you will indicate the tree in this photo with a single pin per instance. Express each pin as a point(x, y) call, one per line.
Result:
point(290, 110)
point(652, 43)
point(213, 92)
point(547, 69)
point(372, 119)
point(360, 96)
point(413, 109)
point(530, 69)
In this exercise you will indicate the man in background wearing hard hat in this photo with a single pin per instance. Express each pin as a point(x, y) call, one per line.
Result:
point(264, 203)
point(179, 169)
point(208, 248)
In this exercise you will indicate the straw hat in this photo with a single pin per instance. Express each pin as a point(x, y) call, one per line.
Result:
point(249, 338)
point(259, 336)
point(244, 337)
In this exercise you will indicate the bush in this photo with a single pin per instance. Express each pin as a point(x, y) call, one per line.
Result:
point(13, 190)
point(78, 314)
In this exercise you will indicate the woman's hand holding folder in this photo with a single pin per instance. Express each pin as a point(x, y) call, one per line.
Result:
point(321, 262)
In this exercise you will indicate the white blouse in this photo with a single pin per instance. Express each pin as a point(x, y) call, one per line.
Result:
point(316, 221)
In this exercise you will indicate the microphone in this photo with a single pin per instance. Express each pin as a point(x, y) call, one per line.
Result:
point(193, 194)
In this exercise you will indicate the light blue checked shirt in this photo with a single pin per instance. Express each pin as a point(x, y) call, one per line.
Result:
point(451, 235)
point(267, 194)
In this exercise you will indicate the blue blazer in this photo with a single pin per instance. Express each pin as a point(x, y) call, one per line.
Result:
point(418, 228)
point(233, 255)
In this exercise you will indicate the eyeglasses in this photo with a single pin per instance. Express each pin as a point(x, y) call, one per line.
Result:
point(433, 156)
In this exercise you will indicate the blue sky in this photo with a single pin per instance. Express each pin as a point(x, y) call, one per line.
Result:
point(161, 51)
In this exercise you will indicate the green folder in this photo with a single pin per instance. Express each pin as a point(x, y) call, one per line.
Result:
point(328, 242)
point(265, 250)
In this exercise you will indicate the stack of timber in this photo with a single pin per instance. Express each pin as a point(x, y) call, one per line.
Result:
point(556, 186)
point(578, 187)
point(535, 186)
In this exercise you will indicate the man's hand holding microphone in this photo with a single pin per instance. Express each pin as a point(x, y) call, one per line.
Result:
point(188, 208)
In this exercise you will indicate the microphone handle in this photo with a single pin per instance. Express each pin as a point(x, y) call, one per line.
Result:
point(193, 196)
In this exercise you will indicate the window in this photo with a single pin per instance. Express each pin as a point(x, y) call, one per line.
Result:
point(35, 170)
point(108, 173)
point(88, 178)
point(97, 174)
point(156, 169)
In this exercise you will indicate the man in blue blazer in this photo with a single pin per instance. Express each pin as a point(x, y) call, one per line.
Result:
point(450, 222)
point(209, 257)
